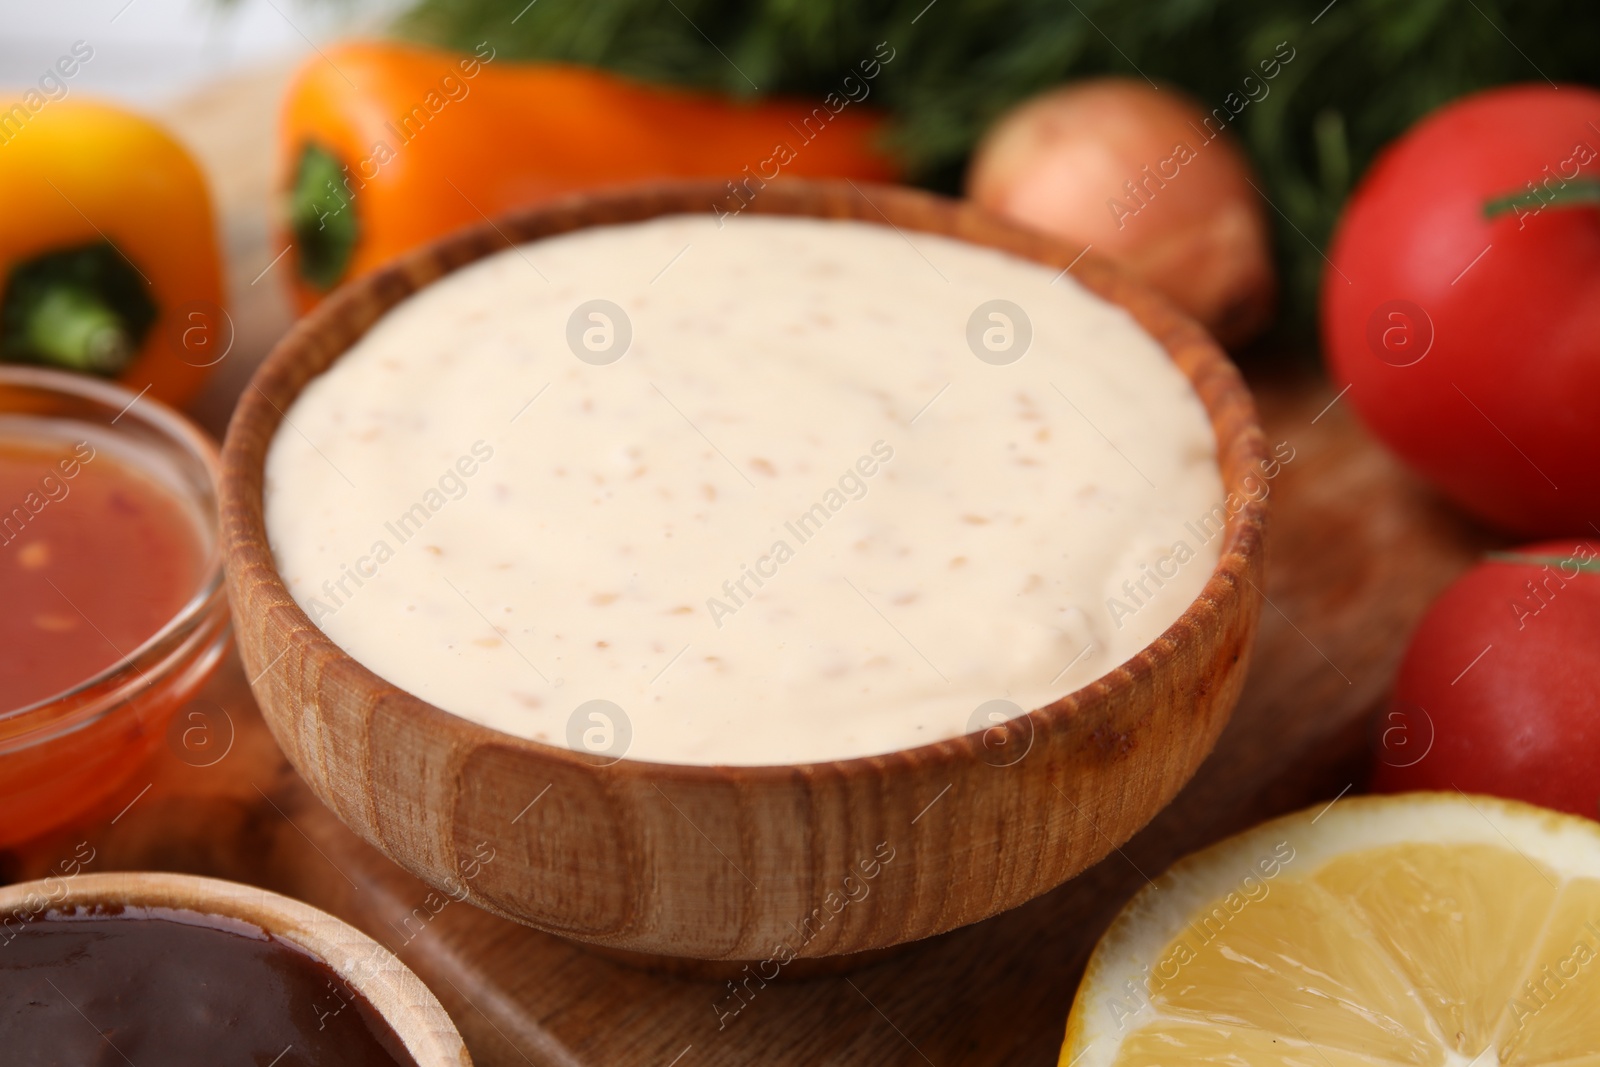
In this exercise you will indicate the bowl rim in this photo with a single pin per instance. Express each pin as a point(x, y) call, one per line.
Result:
point(174, 429)
point(243, 519)
point(418, 1018)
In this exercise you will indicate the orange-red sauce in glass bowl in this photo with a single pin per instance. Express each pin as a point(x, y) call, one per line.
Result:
point(108, 557)
point(111, 606)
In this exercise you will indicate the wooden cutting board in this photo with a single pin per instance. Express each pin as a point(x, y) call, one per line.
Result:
point(1358, 549)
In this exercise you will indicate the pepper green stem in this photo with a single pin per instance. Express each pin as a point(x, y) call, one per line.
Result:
point(85, 308)
point(322, 216)
point(72, 328)
point(1574, 192)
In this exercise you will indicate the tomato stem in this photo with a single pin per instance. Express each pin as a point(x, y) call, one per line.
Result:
point(1592, 566)
point(1577, 192)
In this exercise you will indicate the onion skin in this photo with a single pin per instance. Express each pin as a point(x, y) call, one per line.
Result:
point(1197, 230)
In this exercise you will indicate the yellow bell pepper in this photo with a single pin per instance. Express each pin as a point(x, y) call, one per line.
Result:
point(108, 253)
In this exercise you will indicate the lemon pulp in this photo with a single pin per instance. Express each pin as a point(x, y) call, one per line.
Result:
point(1431, 930)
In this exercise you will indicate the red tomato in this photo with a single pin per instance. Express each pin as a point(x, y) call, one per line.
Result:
point(1499, 691)
point(1471, 345)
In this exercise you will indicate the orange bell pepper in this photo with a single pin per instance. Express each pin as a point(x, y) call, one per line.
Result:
point(386, 146)
point(108, 254)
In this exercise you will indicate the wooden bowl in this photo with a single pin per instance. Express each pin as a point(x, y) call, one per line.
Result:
point(399, 996)
point(743, 863)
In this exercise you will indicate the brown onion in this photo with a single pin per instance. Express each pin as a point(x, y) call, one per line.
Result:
point(1139, 174)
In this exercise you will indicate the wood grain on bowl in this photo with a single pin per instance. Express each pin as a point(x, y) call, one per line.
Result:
point(372, 971)
point(743, 863)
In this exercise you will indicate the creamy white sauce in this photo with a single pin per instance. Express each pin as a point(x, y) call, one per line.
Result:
point(577, 532)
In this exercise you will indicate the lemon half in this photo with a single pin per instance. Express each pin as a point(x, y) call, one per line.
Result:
point(1426, 930)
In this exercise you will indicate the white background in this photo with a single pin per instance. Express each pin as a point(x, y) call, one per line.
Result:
point(147, 52)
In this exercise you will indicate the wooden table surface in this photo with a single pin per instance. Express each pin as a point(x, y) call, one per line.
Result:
point(1358, 549)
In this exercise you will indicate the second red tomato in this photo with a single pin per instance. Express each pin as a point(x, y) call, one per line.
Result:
point(1499, 691)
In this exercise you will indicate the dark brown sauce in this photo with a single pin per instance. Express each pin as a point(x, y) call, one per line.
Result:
point(159, 988)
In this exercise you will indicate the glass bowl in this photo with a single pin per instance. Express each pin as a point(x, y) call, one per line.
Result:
point(63, 756)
